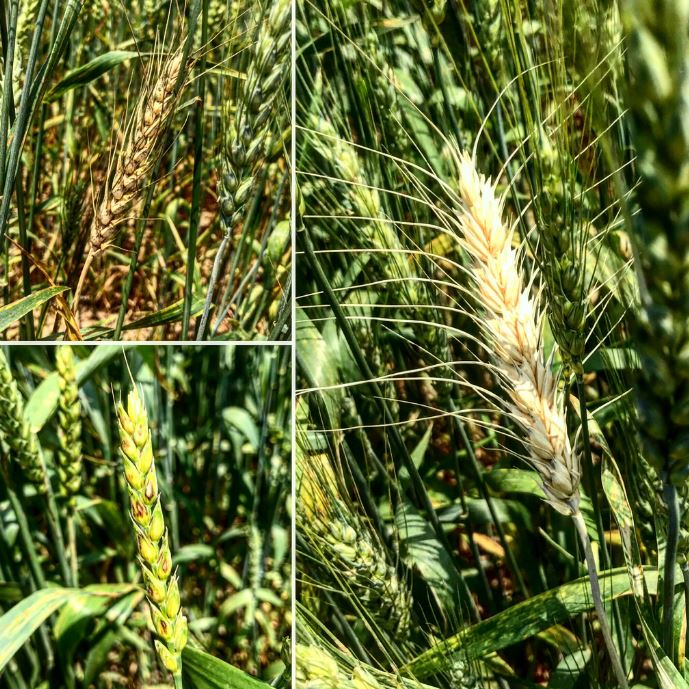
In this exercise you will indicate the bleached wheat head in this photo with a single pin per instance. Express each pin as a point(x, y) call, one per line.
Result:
point(512, 326)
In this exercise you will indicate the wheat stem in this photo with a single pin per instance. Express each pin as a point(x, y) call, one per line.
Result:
point(215, 274)
point(685, 577)
point(590, 474)
point(56, 529)
point(72, 545)
point(485, 495)
point(580, 526)
point(82, 279)
point(671, 547)
point(28, 550)
point(25, 535)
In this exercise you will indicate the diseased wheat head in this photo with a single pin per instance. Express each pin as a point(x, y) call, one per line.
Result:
point(162, 588)
point(512, 324)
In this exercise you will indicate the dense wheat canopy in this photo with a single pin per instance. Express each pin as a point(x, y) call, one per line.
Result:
point(154, 550)
point(144, 173)
point(475, 343)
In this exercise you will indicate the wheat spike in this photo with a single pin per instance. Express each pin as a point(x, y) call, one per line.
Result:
point(349, 544)
point(317, 668)
point(15, 431)
point(512, 324)
point(244, 151)
point(162, 588)
point(69, 424)
point(136, 162)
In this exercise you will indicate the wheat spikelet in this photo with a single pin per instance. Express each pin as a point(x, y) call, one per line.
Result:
point(316, 668)
point(349, 544)
point(69, 424)
point(162, 587)
point(512, 326)
point(15, 431)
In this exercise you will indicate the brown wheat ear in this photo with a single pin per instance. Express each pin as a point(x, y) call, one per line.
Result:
point(135, 160)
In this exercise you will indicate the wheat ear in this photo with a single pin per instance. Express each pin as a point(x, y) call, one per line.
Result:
point(512, 327)
point(162, 588)
point(513, 330)
point(69, 424)
point(15, 431)
point(135, 162)
point(69, 461)
point(23, 446)
point(318, 668)
point(347, 542)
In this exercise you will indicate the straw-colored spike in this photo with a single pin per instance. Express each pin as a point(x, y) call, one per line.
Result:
point(513, 329)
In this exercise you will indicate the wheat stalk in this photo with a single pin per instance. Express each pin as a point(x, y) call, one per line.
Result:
point(135, 161)
point(162, 587)
point(512, 325)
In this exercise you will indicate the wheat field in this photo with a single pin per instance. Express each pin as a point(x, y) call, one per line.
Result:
point(448, 445)
point(143, 168)
point(492, 308)
point(145, 516)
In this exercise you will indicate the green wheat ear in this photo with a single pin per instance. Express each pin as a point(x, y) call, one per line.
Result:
point(69, 424)
point(162, 588)
point(15, 431)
